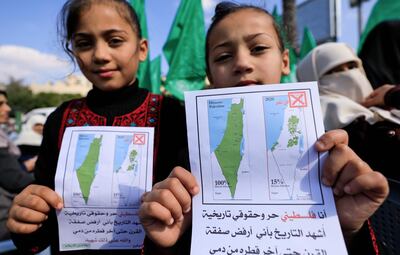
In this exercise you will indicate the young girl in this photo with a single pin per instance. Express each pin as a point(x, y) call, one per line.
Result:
point(105, 39)
point(243, 47)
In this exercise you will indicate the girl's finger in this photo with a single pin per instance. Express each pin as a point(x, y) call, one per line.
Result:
point(331, 139)
point(179, 191)
point(27, 215)
point(150, 212)
point(21, 228)
point(186, 178)
point(338, 157)
point(373, 184)
point(35, 203)
point(45, 193)
point(166, 199)
point(353, 168)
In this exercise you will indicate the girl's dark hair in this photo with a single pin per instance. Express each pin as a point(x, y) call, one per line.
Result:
point(3, 92)
point(224, 9)
point(69, 18)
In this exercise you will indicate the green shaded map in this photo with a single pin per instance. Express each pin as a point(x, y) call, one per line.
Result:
point(132, 160)
point(228, 152)
point(87, 171)
point(294, 132)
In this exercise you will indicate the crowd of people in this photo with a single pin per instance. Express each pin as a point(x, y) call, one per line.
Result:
point(243, 46)
point(14, 170)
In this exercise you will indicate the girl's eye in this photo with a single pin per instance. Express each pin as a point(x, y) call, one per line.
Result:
point(82, 44)
point(259, 49)
point(222, 57)
point(114, 42)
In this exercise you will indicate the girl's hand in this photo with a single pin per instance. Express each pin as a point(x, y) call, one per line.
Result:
point(358, 190)
point(165, 212)
point(31, 207)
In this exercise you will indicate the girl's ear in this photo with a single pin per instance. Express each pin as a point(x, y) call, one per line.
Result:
point(208, 77)
point(143, 49)
point(209, 84)
point(285, 62)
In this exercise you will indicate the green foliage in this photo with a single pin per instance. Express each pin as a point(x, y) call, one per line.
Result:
point(52, 99)
point(21, 98)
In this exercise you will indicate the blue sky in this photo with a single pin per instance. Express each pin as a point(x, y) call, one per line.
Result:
point(29, 49)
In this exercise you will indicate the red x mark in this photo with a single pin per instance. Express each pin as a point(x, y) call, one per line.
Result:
point(139, 139)
point(297, 99)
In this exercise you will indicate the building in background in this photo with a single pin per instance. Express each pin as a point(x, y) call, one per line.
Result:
point(321, 17)
point(73, 84)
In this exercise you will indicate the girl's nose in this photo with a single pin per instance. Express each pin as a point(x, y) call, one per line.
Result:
point(6, 108)
point(243, 64)
point(101, 53)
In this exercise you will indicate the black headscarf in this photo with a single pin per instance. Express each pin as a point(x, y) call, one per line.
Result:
point(381, 54)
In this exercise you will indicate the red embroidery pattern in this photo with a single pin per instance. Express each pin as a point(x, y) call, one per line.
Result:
point(145, 115)
point(373, 238)
point(153, 112)
point(78, 114)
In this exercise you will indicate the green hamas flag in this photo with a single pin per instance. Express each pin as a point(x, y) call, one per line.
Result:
point(383, 10)
point(144, 72)
point(291, 77)
point(155, 67)
point(308, 43)
point(184, 49)
point(276, 16)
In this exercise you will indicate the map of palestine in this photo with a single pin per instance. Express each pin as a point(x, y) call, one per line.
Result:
point(228, 152)
point(87, 171)
point(102, 172)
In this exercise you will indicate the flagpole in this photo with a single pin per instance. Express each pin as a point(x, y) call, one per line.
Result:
point(359, 18)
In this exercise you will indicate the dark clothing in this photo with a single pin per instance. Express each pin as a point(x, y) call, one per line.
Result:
point(13, 179)
point(6, 199)
point(28, 151)
point(377, 144)
point(392, 97)
point(105, 108)
point(380, 54)
point(364, 242)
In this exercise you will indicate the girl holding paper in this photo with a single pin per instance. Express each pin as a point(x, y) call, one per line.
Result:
point(104, 38)
point(244, 47)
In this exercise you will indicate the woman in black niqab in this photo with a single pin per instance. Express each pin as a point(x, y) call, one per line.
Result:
point(380, 54)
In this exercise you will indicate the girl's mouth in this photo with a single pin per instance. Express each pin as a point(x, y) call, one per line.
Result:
point(246, 83)
point(106, 74)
